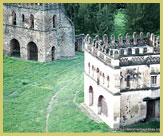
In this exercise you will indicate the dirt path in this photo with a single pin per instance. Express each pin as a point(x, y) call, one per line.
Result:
point(52, 100)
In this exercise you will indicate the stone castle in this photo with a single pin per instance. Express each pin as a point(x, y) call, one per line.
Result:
point(37, 31)
point(122, 78)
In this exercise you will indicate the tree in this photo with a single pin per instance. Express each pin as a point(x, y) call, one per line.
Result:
point(92, 18)
point(143, 17)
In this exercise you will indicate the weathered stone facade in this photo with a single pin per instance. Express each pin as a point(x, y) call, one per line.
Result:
point(122, 78)
point(79, 42)
point(37, 31)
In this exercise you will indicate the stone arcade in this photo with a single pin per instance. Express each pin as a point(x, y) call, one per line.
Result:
point(37, 31)
point(122, 78)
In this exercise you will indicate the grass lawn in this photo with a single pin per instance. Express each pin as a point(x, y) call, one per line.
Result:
point(28, 91)
point(44, 97)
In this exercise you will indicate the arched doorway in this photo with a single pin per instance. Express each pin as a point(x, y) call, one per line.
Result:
point(102, 106)
point(53, 53)
point(90, 96)
point(32, 51)
point(14, 48)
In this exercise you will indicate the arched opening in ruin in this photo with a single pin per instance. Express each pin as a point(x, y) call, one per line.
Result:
point(90, 96)
point(32, 51)
point(54, 21)
point(15, 48)
point(13, 18)
point(53, 53)
point(31, 21)
point(76, 46)
point(102, 106)
point(23, 17)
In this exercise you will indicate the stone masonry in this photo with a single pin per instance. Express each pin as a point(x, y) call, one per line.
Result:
point(122, 78)
point(37, 31)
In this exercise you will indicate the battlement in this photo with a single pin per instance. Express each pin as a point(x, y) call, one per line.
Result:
point(127, 47)
point(125, 51)
point(37, 6)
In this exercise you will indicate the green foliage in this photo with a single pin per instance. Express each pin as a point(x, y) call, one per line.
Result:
point(92, 18)
point(119, 23)
point(143, 17)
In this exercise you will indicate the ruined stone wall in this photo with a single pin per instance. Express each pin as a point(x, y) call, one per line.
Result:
point(79, 42)
point(22, 32)
point(44, 35)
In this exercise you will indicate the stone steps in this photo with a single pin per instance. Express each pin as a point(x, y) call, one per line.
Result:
point(84, 108)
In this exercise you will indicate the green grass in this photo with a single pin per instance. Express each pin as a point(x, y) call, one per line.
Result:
point(28, 88)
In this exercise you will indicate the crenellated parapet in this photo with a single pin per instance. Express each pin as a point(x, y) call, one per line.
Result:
point(114, 46)
point(110, 50)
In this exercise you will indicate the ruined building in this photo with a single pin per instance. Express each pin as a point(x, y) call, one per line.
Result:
point(79, 42)
point(122, 78)
point(37, 31)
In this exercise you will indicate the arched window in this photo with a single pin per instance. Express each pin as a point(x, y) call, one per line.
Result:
point(98, 74)
point(93, 70)
point(54, 21)
point(97, 70)
point(31, 21)
point(103, 75)
point(102, 106)
point(90, 96)
point(13, 18)
point(108, 79)
point(129, 51)
point(89, 67)
point(137, 51)
point(128, 81)
point(98, 81)
point(23, 18)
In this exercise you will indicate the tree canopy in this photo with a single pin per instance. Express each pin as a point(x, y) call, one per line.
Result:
point(143, 17)
point(98, 18)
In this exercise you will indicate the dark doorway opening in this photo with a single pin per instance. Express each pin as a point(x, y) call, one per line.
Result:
point(102, 106)
point(150, 109)
point(15, 48)
point(53, 53)
point(76, 46)
point(32, 51)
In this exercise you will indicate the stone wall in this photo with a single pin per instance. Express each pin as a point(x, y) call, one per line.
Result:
point(62, 37)
point(121, 71)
